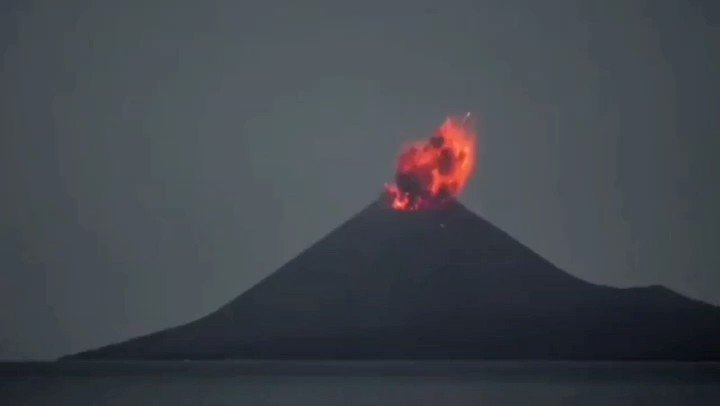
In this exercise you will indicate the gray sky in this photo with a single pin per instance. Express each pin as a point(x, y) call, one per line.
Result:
point(158, 160)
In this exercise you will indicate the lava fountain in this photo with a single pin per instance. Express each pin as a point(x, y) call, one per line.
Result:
point(433, 171)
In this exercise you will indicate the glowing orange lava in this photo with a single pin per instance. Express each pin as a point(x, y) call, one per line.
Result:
point(431, 172)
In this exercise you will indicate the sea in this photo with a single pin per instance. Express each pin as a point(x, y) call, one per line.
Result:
point(359, 383)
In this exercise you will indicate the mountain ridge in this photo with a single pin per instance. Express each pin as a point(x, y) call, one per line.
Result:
point(433, 284)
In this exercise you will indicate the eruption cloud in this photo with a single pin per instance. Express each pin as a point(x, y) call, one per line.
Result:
point(432, 172)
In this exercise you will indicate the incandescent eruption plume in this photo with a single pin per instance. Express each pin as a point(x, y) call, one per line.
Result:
point(431, 172)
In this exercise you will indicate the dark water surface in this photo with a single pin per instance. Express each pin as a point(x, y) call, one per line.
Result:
point(359, 383)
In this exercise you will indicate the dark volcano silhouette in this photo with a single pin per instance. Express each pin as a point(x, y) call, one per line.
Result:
point(434, 284)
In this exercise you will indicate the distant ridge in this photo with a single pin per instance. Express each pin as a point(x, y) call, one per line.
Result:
point(441, 284)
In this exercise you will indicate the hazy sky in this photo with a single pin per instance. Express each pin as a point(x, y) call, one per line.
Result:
point(158, 160)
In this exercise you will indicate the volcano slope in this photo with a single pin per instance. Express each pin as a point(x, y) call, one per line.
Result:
point(443, 284)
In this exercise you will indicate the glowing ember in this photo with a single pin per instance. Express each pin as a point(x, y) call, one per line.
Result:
point(431, 172)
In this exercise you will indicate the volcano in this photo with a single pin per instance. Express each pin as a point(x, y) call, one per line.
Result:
point(434, 284)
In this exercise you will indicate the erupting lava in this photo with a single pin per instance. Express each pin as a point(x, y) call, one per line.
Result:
point(431, 172)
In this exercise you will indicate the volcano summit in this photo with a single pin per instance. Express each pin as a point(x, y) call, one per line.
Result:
point(417, 275)
point(434, 284)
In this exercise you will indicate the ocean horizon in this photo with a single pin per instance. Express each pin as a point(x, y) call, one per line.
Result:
point(271, 382)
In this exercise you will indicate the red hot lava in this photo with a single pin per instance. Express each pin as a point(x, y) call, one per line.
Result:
point(431, 172)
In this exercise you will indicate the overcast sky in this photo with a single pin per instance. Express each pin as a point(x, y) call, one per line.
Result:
point(157, 160)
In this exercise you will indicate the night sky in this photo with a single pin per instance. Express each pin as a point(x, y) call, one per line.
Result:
point(158, 160)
